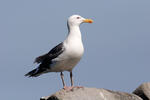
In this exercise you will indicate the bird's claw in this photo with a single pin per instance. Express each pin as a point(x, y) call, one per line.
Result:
point(68, 88)
point(71, 88)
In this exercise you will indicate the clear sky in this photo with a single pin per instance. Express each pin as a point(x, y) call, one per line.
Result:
point(117, 44)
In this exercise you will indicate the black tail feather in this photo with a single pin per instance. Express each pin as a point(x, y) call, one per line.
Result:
point(33, 73)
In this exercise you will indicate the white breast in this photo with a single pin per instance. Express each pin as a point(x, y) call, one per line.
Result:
point(74, 48)
point(72, 54)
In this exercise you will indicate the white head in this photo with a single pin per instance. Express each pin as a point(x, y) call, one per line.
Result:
point(76, 20)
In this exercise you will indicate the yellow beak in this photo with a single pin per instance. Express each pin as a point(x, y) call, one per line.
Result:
point(88, 20)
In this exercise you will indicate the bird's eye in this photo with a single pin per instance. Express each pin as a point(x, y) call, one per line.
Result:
point(78, 17)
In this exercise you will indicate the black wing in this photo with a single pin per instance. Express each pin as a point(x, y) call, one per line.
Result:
point(53, 53)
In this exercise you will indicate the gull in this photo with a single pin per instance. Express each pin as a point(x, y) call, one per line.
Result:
point(64, 56)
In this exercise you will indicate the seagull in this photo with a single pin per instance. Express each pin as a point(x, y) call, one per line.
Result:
point(65, 55)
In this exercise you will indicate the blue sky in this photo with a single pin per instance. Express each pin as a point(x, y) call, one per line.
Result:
point(117, 44)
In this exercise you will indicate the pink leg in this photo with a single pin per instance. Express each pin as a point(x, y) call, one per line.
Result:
point(62, 78)
point(64, 85)
point(71, 78)
point(72, 83)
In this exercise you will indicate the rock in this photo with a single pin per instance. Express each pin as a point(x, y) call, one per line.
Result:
point(143, 91)
point(90, 94)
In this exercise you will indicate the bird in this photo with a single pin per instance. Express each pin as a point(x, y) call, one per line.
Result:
point(64, 56)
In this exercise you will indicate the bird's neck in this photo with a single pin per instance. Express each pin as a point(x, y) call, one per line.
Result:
point(74, 31)
point(74, 34)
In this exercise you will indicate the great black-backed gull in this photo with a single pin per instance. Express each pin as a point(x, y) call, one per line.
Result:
point(65, 55)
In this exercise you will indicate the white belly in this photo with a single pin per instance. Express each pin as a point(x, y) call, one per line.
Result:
point(66, 65)
point(68, 59)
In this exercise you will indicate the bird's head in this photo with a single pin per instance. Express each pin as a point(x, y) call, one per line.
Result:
point(76, 20)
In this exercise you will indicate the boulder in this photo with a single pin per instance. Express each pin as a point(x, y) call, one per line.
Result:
point(143, 91)
point(85, 93)
point(90, 94)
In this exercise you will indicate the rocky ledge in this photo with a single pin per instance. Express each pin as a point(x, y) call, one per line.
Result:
point(85, 93)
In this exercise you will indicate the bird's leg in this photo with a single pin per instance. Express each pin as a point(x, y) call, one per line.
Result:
point(71, 78)
point(72, 83)
point(62, 78)
point(64, 86)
